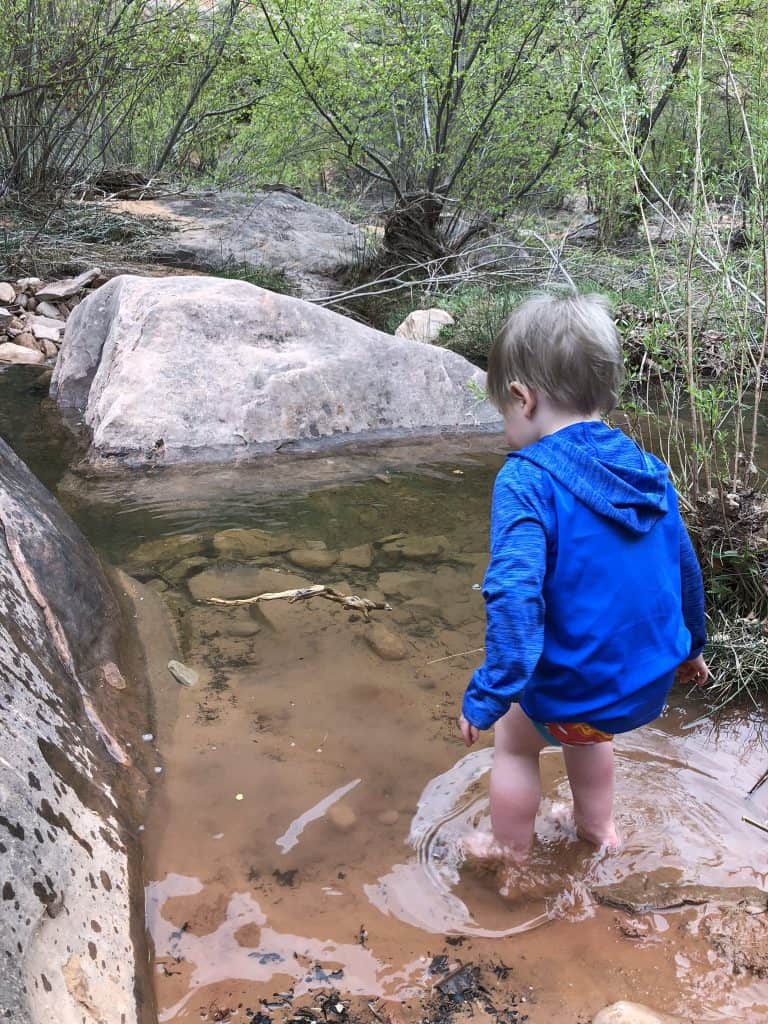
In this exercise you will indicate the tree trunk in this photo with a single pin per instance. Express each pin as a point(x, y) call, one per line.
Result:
point(412, 232)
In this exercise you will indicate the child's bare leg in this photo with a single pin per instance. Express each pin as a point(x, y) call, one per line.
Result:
point(590, 773)
point(515, 782)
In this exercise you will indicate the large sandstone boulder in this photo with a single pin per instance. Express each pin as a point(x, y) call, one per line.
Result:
point(65, 937)
point(275, 230)
point(197, 368)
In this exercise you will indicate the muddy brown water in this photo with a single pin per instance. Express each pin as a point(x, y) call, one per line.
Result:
point(311, 796)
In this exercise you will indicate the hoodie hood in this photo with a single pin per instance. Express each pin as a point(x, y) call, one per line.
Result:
point(606, 471)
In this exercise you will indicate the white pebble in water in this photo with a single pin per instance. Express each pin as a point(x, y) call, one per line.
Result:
point(158, 769)
point(147, 737)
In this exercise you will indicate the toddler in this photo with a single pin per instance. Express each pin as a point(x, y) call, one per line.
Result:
point(594, 597)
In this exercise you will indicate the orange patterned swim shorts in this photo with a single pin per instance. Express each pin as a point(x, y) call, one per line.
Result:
point(573, 734)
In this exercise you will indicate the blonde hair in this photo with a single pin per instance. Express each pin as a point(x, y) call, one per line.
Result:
point(568, 348)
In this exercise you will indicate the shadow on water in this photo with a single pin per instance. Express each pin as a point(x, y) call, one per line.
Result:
point(304, 834)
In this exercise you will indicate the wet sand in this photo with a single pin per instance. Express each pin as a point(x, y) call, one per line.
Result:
point(303, 834)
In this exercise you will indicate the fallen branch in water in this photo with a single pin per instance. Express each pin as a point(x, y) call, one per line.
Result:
point(461, 654)
point(763, 778)
point(757, 824)
point(350, 602)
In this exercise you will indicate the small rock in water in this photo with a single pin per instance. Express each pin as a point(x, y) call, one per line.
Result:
point(167, 549)
point(342, 816)
point(183, 673)
point(625, 1012)
point(357, 558)
point(113, 676)
point(313, 559)
point(389, 817)
point(241, 543)
point(388, 645)
point(419, 549)
point(185, 568)
point(7, 293)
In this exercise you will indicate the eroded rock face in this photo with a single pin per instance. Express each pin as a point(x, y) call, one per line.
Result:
point(199, 369)
point(275, 230)
point(65, 942)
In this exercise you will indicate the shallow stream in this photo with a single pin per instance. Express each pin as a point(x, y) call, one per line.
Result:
point(312, 789)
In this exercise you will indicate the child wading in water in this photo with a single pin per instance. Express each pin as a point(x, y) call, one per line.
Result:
point(594, 598)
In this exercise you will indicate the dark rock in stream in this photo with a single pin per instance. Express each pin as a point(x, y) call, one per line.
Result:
point(65, 936)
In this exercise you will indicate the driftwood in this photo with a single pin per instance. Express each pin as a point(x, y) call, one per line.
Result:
point(351, 602)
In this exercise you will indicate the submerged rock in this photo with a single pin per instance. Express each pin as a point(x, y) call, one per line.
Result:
point(313, 559)
point(360, 557)
point(183, 673)
point(625, 1012)
point(292, 372)
point(167, 549)
point(388, 645)
point(243, 581)
point(185, 568)
point(244, 543)
point(641, 894)
point(420, 549)
point(742, 938)
point(342, 817)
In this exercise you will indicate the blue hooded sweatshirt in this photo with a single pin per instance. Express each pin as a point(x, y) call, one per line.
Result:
point(593, 592)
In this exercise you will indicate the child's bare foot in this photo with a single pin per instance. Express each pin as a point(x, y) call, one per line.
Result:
point(607, 839)
point(483, 849)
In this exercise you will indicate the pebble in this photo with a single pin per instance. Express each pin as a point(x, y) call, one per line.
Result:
point(183, 673)
point(7, 293)
point(113, 676)
point(388, 645)
point(389, 817)
point(147, 737)
point(342, 817)
point(625, 1012)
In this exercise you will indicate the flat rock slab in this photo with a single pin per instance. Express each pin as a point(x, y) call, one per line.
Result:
point(233, 584)
point(199, 369)
point(276, 230)
point(642, 894)
point(65, 938)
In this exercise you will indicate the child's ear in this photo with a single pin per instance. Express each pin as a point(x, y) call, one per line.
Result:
point(525, 396)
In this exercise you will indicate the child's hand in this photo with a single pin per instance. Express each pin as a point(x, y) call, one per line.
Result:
point(694, 671)
point(468, 731)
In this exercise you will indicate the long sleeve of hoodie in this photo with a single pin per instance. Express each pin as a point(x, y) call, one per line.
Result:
point(693, 594)
point(513, 592)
